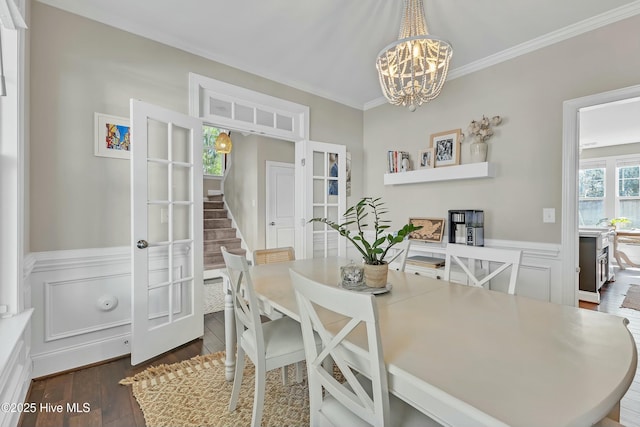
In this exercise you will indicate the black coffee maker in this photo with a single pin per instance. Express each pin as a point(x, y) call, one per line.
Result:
point(466, 227)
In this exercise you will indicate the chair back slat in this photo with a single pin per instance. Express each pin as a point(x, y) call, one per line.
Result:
point(361, 311)
point(505, 258)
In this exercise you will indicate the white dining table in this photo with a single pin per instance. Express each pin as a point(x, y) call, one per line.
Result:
point(474, 357)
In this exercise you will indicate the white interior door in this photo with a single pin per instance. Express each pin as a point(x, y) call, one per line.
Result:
point(280, 205)
point(167, 230)
point(325, 173)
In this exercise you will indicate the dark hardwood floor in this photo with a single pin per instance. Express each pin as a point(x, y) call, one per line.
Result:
point(113, 405)
point(110, 404)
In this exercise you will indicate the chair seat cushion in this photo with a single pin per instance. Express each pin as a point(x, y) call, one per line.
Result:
point(281, 337)
point(333, 413)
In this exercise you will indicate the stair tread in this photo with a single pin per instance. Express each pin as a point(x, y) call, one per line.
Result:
point(214, 266)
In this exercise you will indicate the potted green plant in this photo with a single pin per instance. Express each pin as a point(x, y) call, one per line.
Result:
point(373, 252)
point(620, 222)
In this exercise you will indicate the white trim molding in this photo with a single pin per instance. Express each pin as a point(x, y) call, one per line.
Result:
point(237, 108)
point(15, 363)
point(584, 26)
point(570, 167)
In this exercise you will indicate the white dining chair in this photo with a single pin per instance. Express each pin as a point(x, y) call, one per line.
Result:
point(270, 256)
point(401, 258)
point(363, 398)
point(269, 345)
point(462, 254)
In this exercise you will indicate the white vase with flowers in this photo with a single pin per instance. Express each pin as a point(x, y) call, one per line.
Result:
point(480, 131)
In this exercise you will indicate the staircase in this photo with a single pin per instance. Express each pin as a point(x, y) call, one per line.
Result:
point(217, 233)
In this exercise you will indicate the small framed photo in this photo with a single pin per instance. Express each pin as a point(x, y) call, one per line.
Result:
point(112, 136)
point(432, 229)
point(426, 158)
point(447, 147)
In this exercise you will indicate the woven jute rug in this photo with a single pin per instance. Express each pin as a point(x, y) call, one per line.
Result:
point(195, 393)
point(213, 296)
point(632, 300)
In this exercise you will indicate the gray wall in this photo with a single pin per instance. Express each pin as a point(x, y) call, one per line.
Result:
point(245, 186)
point(79, 67)
point(528, 92)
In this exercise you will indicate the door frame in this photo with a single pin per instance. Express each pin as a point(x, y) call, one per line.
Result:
point(570, 167)
point(202, 89)
point(267, 193)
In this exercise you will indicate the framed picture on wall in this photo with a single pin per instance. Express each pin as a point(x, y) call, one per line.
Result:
point(431, 231)
point(112, 136)
point(426, 158)
point(447, 147)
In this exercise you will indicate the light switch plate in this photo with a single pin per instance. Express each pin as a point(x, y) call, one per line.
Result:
point(549, 215)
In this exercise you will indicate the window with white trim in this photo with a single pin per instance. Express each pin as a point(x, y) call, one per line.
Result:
point(609, 188)
point(213, 163)
point(591, 193)
point(628, 194)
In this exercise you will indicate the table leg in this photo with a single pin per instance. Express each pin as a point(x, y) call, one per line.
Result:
point(620, 254)
point(229, 331)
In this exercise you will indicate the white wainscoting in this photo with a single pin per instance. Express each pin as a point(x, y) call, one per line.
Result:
point(15, 366)
point(82, 302)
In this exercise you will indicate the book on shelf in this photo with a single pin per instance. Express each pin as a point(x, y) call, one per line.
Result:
point(394, 160)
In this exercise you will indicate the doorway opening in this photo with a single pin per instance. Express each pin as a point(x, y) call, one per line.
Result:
point(571, 160)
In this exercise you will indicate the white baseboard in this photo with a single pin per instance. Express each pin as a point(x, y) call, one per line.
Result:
point(589, 296)
point(80, 355)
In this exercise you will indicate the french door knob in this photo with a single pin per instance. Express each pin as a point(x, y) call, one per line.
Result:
point(272, 223)
point(142, 244)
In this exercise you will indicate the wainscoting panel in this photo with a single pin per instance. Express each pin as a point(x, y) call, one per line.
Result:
point(82, 302)
point(106, 303)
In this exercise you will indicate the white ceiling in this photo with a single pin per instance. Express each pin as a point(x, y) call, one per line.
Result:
point(328, 47)
point(613, 123)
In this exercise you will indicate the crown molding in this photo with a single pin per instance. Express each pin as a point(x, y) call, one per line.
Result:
point(104, 16)
point(590, 24)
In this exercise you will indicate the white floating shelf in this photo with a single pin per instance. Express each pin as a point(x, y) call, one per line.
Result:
point(448, 173)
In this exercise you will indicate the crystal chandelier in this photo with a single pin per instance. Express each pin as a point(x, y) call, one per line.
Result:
point(413, 69)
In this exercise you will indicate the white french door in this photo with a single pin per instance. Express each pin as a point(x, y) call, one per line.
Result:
point(167, 230)
point(325, 180)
